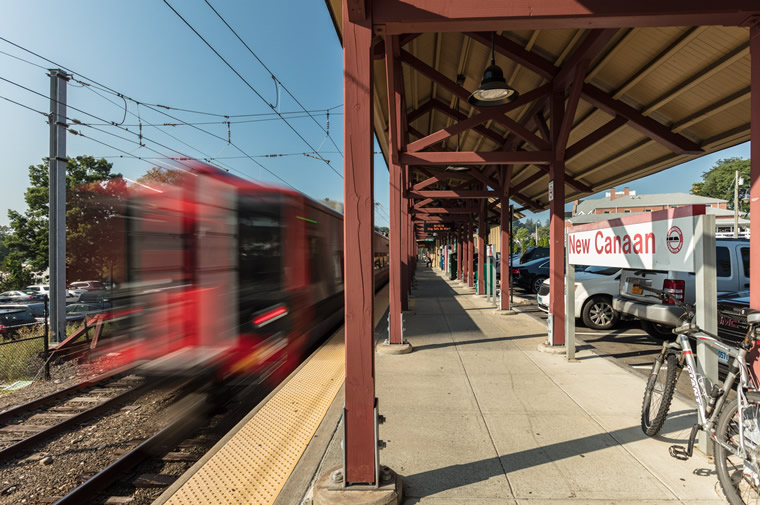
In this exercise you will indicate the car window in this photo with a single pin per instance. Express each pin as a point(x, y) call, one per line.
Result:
point(33, 288)
point(38, 310)
point(745, 260)
point(723, 262)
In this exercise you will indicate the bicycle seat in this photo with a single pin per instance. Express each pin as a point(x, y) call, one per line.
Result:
point(753, 318)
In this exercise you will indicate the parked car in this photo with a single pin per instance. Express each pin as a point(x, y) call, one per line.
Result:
point(78, 311)
point(534, 253)
point(44, 289)
point(658, 319)
point(594, 289)
point(87, 285)
point(19, 297)
point(13, 319)
point(532, 274)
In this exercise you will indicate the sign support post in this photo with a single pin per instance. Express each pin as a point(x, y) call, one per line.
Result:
point(569, 305)
point(706, 306)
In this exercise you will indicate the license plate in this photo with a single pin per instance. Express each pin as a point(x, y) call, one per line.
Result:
point(722, 357)
point(636, 290)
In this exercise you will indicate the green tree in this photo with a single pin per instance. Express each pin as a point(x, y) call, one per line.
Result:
point(159, 175)
point(718, 182)
point(4, 232)
point(89, 235)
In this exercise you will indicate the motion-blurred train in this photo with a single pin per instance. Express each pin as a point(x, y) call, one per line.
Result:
point(226, 275)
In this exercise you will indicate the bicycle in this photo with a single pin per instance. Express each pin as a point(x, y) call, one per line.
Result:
point(733, 426)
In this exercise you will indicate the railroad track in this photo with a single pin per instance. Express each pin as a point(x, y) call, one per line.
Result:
point(114, 390)
point(192, 415)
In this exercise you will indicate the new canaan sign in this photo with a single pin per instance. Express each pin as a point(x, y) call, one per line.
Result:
point(662, 240)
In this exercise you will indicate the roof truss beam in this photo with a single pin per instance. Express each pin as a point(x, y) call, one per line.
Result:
point(417, 16)
point(477, 158)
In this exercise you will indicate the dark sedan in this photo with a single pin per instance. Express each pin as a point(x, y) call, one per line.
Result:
point(531, 275)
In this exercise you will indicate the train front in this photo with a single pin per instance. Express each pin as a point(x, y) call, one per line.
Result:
point(204, 291)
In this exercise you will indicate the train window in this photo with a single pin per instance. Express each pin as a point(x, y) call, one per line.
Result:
point(316, 269)
point(260, 244)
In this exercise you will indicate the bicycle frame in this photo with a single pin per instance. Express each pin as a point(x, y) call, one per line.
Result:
point(701, 394)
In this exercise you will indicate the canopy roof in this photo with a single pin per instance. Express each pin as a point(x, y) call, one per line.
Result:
point(652, 98)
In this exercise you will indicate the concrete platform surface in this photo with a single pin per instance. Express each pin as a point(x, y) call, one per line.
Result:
point(477, 415)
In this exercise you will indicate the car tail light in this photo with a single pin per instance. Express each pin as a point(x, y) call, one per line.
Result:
point(515, 271)
point(269, 315)
point(675, 289)
point(3, 329)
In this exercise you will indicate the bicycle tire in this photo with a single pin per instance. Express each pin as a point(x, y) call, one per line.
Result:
point(736, 487)
point(666, 377)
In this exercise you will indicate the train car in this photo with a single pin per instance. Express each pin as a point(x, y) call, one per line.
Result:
point(231, 276)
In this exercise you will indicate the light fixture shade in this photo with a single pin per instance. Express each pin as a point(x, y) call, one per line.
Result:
point(493, 90)
point(457, 168)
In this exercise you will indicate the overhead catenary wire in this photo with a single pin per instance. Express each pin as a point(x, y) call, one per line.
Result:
point(77, 122)
point(102, 87)
point(326, 130)
point(154, 108)
point(248, 84)
point(25, 106)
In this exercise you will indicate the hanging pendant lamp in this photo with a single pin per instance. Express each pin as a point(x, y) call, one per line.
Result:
point(493, 89)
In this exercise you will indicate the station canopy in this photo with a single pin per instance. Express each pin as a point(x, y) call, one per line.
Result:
point(652, 98)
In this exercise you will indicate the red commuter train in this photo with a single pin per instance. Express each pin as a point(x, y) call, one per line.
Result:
point(232, 276)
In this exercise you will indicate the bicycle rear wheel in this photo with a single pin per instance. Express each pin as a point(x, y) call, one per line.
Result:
point(659, 393)
point(736, 479)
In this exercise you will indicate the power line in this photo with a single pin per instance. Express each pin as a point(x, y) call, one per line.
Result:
point(255, 91)
point(203, 123)
point(75, 121)
point(327, 132)
point(22, 59)
point(26, 107)
point(108, 89)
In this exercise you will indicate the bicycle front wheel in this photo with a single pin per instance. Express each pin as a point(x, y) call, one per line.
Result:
point(739, 481)
point(659, 393)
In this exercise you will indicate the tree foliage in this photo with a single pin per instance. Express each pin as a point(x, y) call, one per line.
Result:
point(718, 182)
point(92, 193)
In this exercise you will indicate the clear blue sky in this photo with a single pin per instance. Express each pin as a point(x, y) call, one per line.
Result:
point(143, 50)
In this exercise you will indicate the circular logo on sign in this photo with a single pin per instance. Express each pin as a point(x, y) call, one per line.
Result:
point(674, 239)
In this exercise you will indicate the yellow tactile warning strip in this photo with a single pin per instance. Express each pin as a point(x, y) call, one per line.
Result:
point(254, 464)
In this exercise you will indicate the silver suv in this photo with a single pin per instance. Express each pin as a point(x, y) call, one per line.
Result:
point(657, 318)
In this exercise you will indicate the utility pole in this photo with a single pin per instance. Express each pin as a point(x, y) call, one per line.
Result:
point(57, 203)
point(736, 204)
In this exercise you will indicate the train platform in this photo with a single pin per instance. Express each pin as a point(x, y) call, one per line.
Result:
point(476, 415)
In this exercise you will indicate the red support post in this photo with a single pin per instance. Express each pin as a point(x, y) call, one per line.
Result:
point(459, 253)
point(557, 223)
point(754, 193)
point(505, 251)
point(397, 225)
point(482, 247)
point(404, 232)
point(360, 443)
point(470, 256)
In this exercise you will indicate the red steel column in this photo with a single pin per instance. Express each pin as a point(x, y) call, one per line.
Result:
point(459, 252)
point(754, 193)
point(506, 180)
point(397, 226)
point(404, 231)
point(358, 231)
point(557, 224)
point(470, 256)
point(397, 229)
point(482, 246)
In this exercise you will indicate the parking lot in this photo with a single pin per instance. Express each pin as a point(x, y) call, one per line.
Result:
point(628, 344)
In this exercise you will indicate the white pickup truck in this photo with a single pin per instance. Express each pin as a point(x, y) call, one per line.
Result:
point(657, 318)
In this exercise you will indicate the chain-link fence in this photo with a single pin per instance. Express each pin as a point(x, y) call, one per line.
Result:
point(20, 360)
